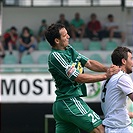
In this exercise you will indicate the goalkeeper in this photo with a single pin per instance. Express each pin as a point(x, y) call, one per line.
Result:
point(66, 67)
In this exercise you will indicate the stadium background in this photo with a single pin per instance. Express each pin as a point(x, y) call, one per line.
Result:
point(27, 96)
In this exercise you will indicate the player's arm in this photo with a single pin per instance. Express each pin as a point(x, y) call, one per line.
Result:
point(89, 78)
point(98, 67)
point(95, 66)
point(91, 64)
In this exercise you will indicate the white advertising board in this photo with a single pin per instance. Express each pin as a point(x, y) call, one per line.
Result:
point(27, 88)
point(36, 88)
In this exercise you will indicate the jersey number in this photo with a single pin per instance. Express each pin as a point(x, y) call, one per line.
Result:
point(94, 117)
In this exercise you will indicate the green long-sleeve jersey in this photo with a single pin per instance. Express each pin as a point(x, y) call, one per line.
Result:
point(65, 66)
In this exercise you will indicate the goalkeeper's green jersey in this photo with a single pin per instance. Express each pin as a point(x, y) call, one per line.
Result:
point(65, 66)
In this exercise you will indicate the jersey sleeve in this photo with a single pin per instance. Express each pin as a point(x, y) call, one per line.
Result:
point(61, 66)
point(125, 84)
point(83, 59)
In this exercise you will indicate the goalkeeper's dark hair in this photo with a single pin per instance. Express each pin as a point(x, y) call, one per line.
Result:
point(118, 54)
point(53, 32)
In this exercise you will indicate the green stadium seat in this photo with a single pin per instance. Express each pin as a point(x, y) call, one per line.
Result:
point(78, 45)
point(27, 59)
point(43, 45)
point(10, 59)
point(111, 45)
point(108, 59)
point(26, 70)
point(43, 59)
point(96, 57)
point(43, 70)
point(9, 70)
point(94, 45)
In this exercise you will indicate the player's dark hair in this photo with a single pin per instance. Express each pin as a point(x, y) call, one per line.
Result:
point(118, 54)
point(53, 32)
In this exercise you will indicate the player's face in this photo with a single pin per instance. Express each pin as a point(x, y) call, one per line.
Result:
point(64, 40)
point(129, 63)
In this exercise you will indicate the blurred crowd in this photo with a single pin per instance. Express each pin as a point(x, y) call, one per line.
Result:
point(77, 29)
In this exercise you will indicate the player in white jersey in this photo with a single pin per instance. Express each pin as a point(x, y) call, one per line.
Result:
point(115, 92)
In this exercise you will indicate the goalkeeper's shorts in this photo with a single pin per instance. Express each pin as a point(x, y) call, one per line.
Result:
point(73, 114)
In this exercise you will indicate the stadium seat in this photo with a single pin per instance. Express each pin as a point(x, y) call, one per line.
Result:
point(94, 45)
point(78, 45)
point(96, 57)
point(108, 59)
point(27, 70)
point(43, 45)
point(43, 59)
point(9, 70)
point(27, 59)
point(111, 45)
point(43, 70)
point(10, 59)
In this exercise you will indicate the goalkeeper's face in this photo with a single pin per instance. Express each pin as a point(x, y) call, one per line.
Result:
point(64, 39)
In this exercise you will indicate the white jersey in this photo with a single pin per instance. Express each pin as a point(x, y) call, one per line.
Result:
point(114, 106)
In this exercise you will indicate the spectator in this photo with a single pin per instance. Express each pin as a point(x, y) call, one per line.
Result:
point(63, 21)
point(9, 39)
point(42, 29)
point(77, 27)
point(112, 29)
point(2, 52)
point(26, 41)
point(94, 28)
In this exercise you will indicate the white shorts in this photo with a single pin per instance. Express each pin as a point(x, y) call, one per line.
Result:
point(128, 129)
